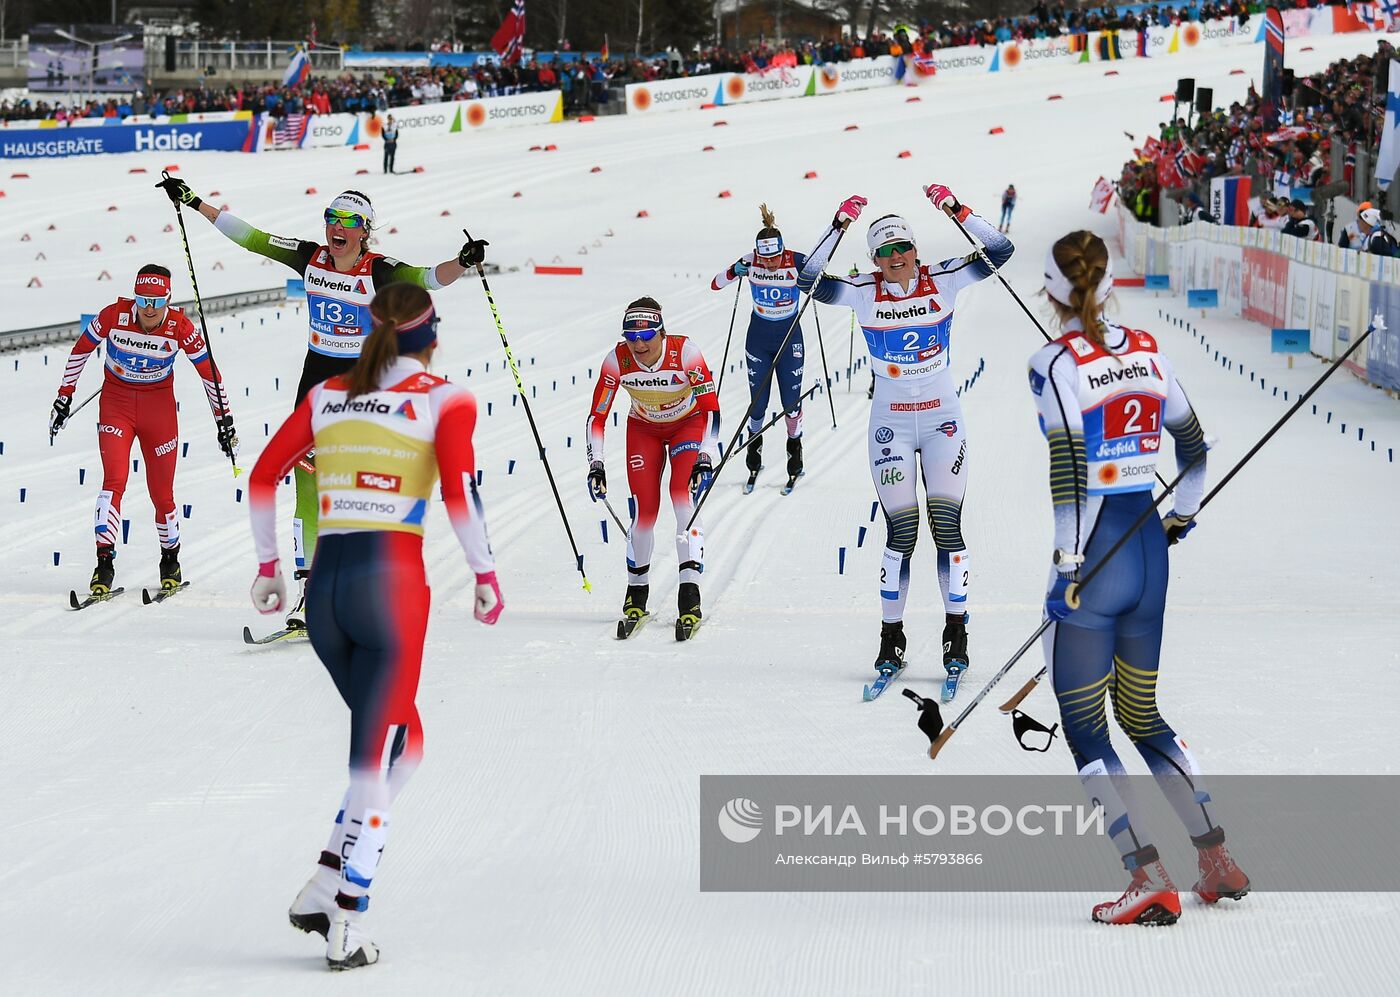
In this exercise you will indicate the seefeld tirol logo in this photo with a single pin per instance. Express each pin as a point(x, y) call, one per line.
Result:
point(741, 820)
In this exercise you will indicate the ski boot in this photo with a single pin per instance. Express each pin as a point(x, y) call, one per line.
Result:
point(347, 945)
point(753, 459)
point(105, 571)
point(794, 462)
point(296, 619)
point(892, 645)
point(954, 653)
point(688, 602)
point(634, 611)
point(170, 567)
point(1219, 876)
point(1149, 899)
point(315, 904)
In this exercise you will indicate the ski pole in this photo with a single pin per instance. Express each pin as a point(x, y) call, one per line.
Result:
point(729, 450)
point(724, 364)
point(203, 326)
point(53, 431)
point(617, 519)
point(1071, 598)
point(1378, 322)
point(525, 401)
point(826, 373)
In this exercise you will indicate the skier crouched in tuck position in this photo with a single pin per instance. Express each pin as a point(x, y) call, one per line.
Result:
point(1104, 393)
point(773, 272)
point(142, 334)
point(905, 309)
point(674, 418)
point(342, 276)
point(383, 433)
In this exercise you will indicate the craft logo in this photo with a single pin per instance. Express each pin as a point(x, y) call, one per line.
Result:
point(741, 820)
point(379, 482)
point(957, 464)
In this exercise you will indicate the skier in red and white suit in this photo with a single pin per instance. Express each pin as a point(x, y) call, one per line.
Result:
point(143, 336)
point(674, 416)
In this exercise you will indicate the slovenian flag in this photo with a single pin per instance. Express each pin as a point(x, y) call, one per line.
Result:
point(298, 69)
point(603, 55)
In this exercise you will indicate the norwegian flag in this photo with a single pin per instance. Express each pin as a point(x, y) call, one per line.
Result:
point(1189, 163)
point(509, 39)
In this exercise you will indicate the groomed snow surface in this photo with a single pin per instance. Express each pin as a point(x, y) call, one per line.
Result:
point(169, 788)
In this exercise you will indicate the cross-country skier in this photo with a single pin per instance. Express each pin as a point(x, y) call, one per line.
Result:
point(143, 334)
point(906, 311)
point(1008, 205)
point(341, 276)
point(1104, 394)
point(772, 272)
point(383, 432)
point(674, 419)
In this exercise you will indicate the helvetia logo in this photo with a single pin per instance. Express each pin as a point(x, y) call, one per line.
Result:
point(741, 820)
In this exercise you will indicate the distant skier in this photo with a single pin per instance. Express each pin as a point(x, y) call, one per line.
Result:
point(906, 312)
point(385, 431)
point(1104, 393)
point(341, 276)
point(1008, 205)
point(143, 334)
point(674, 418)
point(390, 134)
point(772, 272)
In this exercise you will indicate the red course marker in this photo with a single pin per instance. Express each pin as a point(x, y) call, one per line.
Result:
point(725, 193)
point(810, 175)
point(998, 130)
point(559, 271)
point(904, 155)
point(644, 213)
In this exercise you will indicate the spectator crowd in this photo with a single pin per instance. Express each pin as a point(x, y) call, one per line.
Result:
point(1294, 147)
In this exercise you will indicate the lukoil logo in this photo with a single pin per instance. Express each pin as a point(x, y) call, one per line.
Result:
point(741, 820)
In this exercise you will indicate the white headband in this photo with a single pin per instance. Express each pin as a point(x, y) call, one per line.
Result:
point(1057, 285)
point(354, 203)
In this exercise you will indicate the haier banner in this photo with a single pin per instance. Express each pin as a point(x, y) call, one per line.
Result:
point(218, 136)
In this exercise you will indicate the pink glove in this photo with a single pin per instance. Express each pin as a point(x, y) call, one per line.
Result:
point(944, 200)
point(488, 598)
point(849, 210)
point(269, 591)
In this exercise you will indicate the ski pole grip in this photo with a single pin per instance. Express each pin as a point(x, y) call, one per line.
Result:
point(1021, 694)
point(937, 746)
point(1072, 595)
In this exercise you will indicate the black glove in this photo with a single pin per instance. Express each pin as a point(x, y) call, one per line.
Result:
point(61, 405)
point(702, 475)
point(597, 481)
point(473, 252)
point(228, 439)
point(179, 192)
point(1177, 526)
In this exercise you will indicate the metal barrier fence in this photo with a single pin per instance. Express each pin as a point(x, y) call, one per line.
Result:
point(23, 339)
point(262, 57)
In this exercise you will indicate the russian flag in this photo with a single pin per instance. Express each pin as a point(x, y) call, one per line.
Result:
point(298, 69)
point(1229, 200)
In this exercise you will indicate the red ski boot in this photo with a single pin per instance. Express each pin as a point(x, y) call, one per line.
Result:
point(1219, 876)
point(1150, 898)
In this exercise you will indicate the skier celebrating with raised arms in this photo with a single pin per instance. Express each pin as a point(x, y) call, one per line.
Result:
point(383, 433)
point(772, 271)
point(905, 310)
point(1104, 393)
point(674, 418)
point(142, 334)
point(342, 276)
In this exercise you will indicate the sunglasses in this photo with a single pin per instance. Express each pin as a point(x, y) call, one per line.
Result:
point(639, 335)
point(144, 302)
point(889, 249)
point(347, 219)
